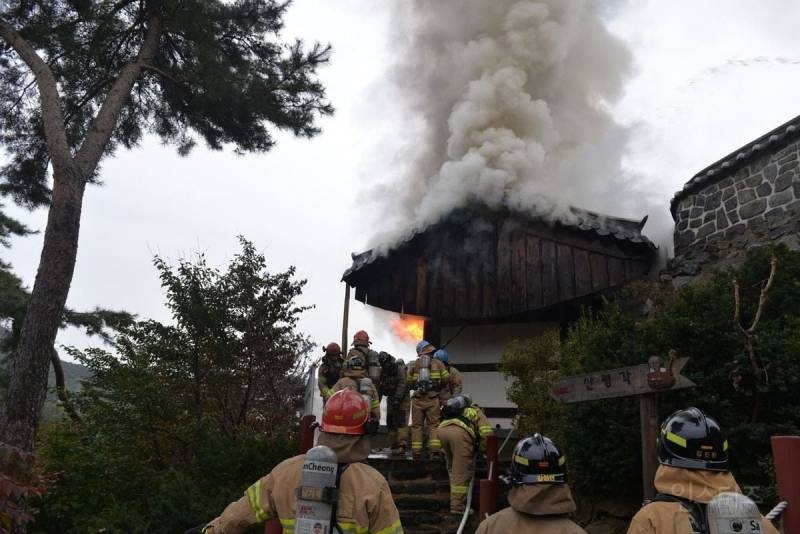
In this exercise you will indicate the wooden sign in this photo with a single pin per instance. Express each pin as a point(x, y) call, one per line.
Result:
point(621, 382)
point(643, 381)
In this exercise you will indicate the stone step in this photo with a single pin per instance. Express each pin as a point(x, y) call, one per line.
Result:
point(421, 491)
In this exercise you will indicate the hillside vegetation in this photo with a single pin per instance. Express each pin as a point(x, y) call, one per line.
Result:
point(753, 397)
point(180, 418)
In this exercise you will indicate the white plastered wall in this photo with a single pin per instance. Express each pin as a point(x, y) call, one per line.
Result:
point(484, 344)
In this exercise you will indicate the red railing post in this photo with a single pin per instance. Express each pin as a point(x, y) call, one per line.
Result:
point(306, 442)
point(488, 486)
point(306, 432)
point(786, 452)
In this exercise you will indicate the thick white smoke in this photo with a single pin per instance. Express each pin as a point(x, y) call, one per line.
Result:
point(507, 103)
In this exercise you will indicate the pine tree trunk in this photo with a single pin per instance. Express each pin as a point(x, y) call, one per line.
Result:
point(27, 388)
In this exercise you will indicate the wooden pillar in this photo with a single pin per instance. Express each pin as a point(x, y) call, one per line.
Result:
point(345, 316)
point(648, 418)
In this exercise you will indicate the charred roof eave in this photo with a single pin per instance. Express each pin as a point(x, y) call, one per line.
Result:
point(597, 224)
point(484, 265)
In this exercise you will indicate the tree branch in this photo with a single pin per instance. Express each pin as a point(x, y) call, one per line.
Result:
point(749, 333)
point(104, 123)
point(165, 75)
point(90, 94)
point(762, 298)
point(52, 115)
point(23, 93)
point(61, 390)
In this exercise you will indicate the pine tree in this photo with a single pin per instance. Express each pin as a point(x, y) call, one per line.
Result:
point(78, 78)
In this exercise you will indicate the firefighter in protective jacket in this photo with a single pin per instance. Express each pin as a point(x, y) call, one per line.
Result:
point(426, 376)
point(361, 350)
point(463, 432)
point(330, 370)
point(364, 503)
point(355, 377)
point(539, 496)
point(454, 386)
point(694, 469)
point(393, 387)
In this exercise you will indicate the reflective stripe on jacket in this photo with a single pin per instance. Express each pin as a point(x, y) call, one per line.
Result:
point(327, 375)
point(454, 387)
point(478, 423)
point(365, 503)
point(439, 376)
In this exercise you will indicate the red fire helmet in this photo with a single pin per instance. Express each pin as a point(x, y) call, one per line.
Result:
point(361, 337)
point(333, 349)
point(345, 413)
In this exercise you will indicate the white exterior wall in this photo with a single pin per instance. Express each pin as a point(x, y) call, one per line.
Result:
point(485, 344)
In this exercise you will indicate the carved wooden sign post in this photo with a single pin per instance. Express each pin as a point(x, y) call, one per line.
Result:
point(643, 381)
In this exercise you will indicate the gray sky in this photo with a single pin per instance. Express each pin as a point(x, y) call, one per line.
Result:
point(709, 77)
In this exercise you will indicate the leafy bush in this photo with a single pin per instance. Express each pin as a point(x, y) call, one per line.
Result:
point(182, 417)
point(112, 482)
point(602, 437)
point(21, 479)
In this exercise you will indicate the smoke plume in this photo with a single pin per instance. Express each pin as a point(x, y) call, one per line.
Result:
point(508, 103)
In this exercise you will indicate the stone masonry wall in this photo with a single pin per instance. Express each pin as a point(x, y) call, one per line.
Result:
point(757, 204)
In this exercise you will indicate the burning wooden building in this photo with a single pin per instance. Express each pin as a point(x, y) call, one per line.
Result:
point(482, 278)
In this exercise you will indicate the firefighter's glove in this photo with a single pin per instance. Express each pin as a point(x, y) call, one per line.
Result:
point(196, 530)
point(371, 427)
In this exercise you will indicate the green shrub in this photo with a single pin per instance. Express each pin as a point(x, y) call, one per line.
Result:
point(182, 417)
point(108, 482)
point(602, 437)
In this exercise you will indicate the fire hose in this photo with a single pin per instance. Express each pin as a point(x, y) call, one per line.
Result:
point(777, 511)
point(469, 499)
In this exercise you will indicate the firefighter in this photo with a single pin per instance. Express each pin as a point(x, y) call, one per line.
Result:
point(364, 502)
point(694, 469)
point(454, 386)
point(330, 370)
point(463, 432)
point(393, 387)
point(426, 376)
point(355, 378)
point(540, 498)
point(361, 348)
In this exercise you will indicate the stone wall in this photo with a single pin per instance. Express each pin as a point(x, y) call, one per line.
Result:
point(752, 205)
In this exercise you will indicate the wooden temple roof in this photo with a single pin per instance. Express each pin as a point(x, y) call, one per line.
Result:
point(479, 264)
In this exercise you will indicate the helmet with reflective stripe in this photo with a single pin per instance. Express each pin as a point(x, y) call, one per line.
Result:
point(333, 349)
point(692, 440)
point(361, 337)
point(424, 347)
point(537, 460)
point(441, 355)
point(345, 413)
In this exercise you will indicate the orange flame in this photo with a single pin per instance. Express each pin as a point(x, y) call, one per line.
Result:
point(408, 328)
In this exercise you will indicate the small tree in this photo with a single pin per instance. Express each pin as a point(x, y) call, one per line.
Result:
point(183, 415)
point(78, 79)
point(602, 437)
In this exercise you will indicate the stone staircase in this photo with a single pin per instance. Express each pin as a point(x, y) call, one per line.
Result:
point(421, 490)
